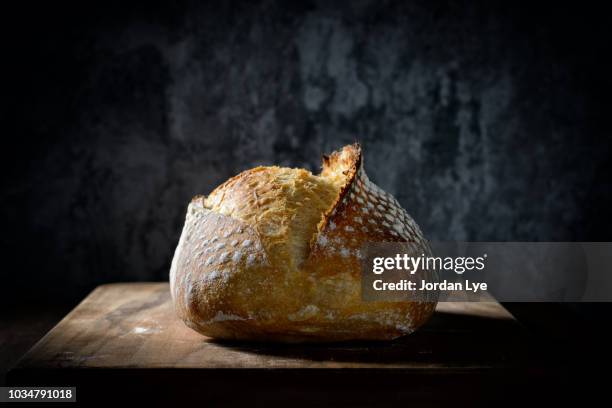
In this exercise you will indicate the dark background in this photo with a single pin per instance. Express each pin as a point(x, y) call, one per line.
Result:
point(488, 121)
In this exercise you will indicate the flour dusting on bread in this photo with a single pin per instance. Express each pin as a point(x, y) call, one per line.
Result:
point(274, 254)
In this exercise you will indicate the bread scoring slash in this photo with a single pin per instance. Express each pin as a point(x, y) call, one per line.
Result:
point(274, 254)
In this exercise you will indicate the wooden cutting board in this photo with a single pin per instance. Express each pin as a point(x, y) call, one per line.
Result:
point(124, 339)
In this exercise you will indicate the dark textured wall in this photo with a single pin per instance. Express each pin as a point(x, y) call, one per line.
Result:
point(487, 122)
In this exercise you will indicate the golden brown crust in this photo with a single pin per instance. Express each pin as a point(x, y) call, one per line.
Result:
point(229, 281)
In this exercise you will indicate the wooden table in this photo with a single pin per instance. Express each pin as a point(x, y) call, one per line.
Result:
point(124, 340)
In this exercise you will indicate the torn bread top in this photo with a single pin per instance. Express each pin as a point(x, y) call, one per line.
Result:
point(298, 215)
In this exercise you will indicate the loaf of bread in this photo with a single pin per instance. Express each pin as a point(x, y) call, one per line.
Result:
point(274, 254)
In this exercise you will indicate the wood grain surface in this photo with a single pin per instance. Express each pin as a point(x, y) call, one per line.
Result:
point(120, 332)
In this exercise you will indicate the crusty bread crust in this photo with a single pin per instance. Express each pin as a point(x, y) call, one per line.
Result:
point(231, 279)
